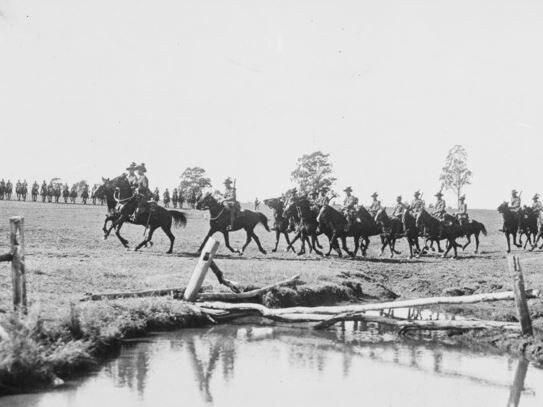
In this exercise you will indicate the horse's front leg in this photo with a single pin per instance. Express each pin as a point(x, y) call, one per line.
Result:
point(227, 243)
point(210, 233)
point(468, 236)
point(331, 242)
point(344, 245)
point(277, 236)
point(118, 224)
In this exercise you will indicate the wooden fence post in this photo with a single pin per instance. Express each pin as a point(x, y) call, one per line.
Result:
point(520, 295)
point(18, 263)
point(197, 278)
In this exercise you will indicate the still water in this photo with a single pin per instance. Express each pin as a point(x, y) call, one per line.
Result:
point(269, 365)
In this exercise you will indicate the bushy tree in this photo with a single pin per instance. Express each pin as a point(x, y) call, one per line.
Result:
point(193, 182)
point(455, 175)
point(313, 173)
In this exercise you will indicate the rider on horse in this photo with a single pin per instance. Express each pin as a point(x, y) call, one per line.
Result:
point(349, 207)
point(462, 214)
point(375, 206)
point(537, 206)
point(131, 175)
point(516, 206)
point(417, 204)
point(440, 207)
point(400, 208)
point(229, 201)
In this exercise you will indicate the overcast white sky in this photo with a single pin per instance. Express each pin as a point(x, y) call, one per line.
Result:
point(243, 88)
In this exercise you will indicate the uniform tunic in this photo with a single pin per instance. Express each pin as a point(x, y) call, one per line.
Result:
point(375, 207)
point(440, 208)
point(417, 205)
point(349, 203)
point(399, 210)
point(515, 204)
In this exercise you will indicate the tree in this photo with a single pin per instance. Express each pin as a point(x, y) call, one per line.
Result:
point(313, 173)
point(193, 182)
point(455, 175)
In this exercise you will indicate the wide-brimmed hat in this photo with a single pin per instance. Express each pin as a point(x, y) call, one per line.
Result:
point(131, 166)
point(462, 197)
point(348, 189)
point(536, 197)
point(374, 195)
point(417, 193)
point(399, 197)
point(439, 194)
point(514, 192)
point(228, 181)
point(140, 167)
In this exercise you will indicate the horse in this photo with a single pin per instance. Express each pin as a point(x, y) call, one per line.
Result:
point(528, 226)
point(43, 192)
point(436, 230)
point(470, 228)
point(280, 222)
point(57, 192)
point(9, 190)
point(335, 223)
point(220, 221)
point(65, 195)
point(510, 225)
point(308, 228)
point(85, 195)
point(411, 232)
point(24, 192)
point(369, 228)
point(391, 229)
point(122, 203)
point(73, 195)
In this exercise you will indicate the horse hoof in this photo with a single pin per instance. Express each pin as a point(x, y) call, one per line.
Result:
point(169, 252)
point(274, 250)
point(264, 252)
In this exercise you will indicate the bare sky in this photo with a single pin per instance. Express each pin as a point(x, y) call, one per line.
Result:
point(243, 88)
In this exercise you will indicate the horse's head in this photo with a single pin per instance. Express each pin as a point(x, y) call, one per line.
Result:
point(503, 208)
point(381, 216)
point(420, 219)
point(276, 204)
point(205, 201)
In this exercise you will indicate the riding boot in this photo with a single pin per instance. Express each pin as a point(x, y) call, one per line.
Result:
point(232, 220)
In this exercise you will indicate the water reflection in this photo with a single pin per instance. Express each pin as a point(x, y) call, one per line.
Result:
point(271, 365)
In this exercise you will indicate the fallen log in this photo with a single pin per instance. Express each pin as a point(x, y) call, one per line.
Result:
point(174, 292)
point(420, 302)
point(228, 312)
point(246, 294)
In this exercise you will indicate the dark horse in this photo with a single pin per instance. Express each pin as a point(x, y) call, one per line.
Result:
point(436, 230)
point(220, 221)
point(122, 203)
point(391, 230)
point(510, 225)
point(280, 221)
point(308, 227)
point(411, 232)
point(472, 228)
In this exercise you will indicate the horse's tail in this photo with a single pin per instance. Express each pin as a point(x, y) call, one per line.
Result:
point(179, 218)
point(264, 220)
point(483, 229)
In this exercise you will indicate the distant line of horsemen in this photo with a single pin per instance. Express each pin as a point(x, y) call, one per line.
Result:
point(309, 215)
point(54, 191)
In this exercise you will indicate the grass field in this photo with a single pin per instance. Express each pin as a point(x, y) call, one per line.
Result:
point(67, 256)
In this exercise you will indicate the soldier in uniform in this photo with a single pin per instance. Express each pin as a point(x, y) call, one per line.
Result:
point(156, 195)
point(375, 206)
point(516, 204)
point(145, 195)
point(166, 198)
point(131, 175)
point(462, 214)
point(537, 207)
point(349, 207)
point(175, 197)
point(417, 204)
point(440, 207)
point(400, 208)
point(229, 201)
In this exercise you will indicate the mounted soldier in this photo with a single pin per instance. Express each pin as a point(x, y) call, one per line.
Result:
point(144, 194)
point(375, 205)
point(175, 197)
point(417, 204)
point(516, 206)
point(440, 207)
point(229, 201)
point(131, 175)
point(166, 198)
point(537, 207)
point(400, 208)
point(350, 204)
point(462, 214)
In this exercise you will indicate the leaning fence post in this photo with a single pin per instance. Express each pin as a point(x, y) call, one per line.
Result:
point(520, 295)
point(197, 278)
point(18, 263)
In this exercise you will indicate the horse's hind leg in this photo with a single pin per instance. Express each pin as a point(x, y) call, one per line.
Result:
point(168, 231)
point(476, 243)
point(227, 243)
point(118, 227)
point(277, 236)
point(247, 241)
point(209, 234)
point(289, 244)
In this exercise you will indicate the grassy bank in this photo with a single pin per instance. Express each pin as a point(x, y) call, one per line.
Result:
point(35, 351)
